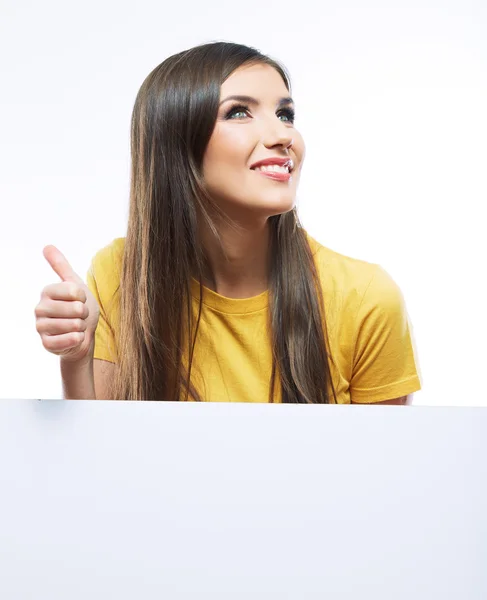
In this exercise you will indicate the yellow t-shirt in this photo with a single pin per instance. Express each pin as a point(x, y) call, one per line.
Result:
point(368, 330)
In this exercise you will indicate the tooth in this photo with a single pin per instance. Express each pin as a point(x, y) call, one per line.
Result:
point(274, 168)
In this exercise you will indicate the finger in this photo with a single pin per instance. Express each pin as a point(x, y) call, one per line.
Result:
point(59, 309)
point(63, 342)
point(66, 290)
point(59, 326)
point(61, 266)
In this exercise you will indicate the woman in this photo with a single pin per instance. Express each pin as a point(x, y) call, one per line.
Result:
point(217, 293)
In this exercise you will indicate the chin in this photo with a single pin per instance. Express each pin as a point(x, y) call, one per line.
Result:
point(261, 206)
point(278, 206)
point(273, 212)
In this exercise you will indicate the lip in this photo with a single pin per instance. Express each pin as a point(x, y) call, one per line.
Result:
point(276, 160)
point(285, 177)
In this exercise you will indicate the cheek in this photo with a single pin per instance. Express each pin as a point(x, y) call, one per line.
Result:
point(229, 149)
point(299, 147)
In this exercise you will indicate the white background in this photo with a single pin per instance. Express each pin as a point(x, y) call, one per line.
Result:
point(391, 100)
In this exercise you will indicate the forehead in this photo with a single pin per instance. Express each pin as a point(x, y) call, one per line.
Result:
point(255, 80)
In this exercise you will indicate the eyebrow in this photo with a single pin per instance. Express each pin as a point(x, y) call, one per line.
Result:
point(254, 101)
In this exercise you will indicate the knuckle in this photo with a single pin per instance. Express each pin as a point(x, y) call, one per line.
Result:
point(42, 310)
point(76, 337)
point(78, 325)
point(79, 309)
point(72, 290)
point(46, 341)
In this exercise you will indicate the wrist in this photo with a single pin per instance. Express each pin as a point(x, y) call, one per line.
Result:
point(78, 378)
point(78, 361)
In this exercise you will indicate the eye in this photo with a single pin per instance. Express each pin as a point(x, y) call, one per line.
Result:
point(288, 113)
point(241, 111)
point(237, 110)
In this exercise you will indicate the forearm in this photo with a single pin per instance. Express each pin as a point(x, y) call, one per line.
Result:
point(78, 380)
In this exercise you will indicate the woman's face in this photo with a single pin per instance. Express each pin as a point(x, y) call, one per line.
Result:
point(258, 127)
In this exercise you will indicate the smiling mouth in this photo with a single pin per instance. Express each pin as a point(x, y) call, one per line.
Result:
point(274, 169)
point(274, 165)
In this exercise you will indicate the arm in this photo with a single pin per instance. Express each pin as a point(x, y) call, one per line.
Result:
point(86, 380)
point(104, 371)
point(384, 367)
point(78, 380)
point(66, 319)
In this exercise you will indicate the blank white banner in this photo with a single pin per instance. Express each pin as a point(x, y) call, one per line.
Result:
point(234, 501)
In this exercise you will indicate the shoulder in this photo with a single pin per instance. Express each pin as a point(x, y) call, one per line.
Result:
point(105, 270)
point(369, 325)
point(109, 257)
point(357, 279)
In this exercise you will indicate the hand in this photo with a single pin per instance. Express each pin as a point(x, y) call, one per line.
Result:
point(67, 314)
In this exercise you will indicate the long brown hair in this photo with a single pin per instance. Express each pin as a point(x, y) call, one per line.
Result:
point(172, 121)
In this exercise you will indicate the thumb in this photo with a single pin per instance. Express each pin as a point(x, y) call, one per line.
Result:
point(60, 265)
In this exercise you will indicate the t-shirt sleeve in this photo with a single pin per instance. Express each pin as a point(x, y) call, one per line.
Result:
point(384, 362)
point(98, 282)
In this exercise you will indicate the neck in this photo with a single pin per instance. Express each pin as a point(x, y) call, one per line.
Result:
point(239, 267)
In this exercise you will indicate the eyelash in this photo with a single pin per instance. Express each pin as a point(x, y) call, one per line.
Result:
point(289, 112)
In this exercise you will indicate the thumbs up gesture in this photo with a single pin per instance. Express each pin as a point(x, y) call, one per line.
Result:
point(67, 314)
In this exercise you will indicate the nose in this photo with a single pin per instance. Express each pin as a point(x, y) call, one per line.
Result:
point(277, 134)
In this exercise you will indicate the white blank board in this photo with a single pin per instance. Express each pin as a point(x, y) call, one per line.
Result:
point(234, 501)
